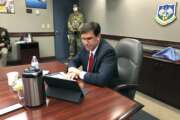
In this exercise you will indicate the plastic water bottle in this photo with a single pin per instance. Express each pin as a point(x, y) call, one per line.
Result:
point(34, 63)
point(29, 38)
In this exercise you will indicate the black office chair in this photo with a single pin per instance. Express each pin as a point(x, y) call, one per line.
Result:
point(129, 58)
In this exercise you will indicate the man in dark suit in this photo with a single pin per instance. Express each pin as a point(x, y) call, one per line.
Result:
point(97, 57)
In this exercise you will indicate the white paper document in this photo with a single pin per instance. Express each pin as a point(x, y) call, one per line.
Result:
point(60, 75)
point(10, 108)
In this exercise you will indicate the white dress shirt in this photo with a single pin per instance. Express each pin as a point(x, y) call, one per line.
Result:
point(82, 73)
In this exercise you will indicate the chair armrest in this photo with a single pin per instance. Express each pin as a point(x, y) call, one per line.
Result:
point(126, 87)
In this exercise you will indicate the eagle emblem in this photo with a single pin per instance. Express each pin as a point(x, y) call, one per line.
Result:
point(166, 13)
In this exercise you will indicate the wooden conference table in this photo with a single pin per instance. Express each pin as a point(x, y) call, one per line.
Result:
point(99, 103)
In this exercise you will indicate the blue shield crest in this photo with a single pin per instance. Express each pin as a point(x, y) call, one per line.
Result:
point(166, 13)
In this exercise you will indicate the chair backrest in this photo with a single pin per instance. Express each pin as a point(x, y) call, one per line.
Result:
point(129, 55)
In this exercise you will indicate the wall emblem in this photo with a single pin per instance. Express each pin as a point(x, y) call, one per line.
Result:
point(166, 13)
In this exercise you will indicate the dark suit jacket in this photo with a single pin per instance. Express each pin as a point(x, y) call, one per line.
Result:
point(105, 64)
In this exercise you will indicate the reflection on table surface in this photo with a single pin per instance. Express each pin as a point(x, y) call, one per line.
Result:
point(99, 103)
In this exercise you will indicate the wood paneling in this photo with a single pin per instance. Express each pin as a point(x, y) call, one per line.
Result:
point(27, 50)
point(161, 43)
point(154, 42)
point(159, 78)
point(35, 34)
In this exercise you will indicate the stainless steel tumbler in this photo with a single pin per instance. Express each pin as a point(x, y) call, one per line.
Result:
point(34, 90)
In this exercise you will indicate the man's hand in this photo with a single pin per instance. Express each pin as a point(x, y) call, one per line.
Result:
point(74, 70)
point(73, 73)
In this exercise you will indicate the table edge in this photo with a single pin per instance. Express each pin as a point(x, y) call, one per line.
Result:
point(138, 106)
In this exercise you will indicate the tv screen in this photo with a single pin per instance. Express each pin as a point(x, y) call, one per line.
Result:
point(41, 4)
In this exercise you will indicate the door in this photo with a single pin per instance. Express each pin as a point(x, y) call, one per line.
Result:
point(61, 11)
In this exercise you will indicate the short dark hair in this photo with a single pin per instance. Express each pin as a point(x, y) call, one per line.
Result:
point(91, 26)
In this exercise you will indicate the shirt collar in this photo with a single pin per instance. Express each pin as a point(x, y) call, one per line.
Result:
point(94, 51)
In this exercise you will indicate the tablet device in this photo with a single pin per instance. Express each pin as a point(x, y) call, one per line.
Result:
point(62, 88)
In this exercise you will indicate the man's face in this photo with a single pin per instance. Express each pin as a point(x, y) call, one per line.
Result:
point(75, 9)
point(89, 40)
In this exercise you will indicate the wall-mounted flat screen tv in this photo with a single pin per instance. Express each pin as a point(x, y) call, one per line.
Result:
point(41, 4)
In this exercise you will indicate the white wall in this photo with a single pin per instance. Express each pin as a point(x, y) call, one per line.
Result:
point(24, 22)
point(133, 18)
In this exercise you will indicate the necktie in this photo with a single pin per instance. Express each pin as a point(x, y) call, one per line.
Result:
point(91, 62)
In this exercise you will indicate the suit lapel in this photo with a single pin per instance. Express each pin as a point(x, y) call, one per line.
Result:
point(96, 55)
point(86, 58)
point(95, 59)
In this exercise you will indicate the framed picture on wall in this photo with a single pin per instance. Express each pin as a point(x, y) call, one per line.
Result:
point(41, 4)
point(7, 6)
